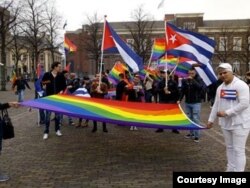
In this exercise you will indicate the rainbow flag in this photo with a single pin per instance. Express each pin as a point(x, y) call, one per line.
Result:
point(149, 115)
point(153, 72)
point(113, 75)
point(159, 49)
point(69, 46)
point(182, 68)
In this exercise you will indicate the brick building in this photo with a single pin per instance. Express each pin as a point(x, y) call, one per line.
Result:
point(232, 41)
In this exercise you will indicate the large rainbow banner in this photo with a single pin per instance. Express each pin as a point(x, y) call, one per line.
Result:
point(149, 115)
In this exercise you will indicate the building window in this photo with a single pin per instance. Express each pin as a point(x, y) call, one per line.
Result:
point(223, 44)
point(236, 66)
point(189, 25)
point(24, 57)
point(130, 43)
point(237, 43)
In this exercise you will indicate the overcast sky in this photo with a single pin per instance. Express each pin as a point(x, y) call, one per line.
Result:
point(75, 11)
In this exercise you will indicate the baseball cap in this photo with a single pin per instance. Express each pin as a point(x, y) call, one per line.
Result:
point(225, 66)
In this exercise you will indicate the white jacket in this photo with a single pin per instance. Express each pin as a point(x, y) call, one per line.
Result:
point(238, 111)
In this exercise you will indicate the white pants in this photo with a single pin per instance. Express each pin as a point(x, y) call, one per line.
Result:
point(235, 141)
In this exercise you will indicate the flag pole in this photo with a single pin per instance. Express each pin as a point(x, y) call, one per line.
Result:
point(166, 66)
point(150, 59)
point(101, 63)
point(175, 67)
point(65, 58)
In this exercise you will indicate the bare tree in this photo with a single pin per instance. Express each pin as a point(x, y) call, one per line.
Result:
point(34, 29)
point(52, 26)
point(141, 32)
point(8, 14)
point(18, 45)
point(245, 55)
point(91, 43)
point(224, 50)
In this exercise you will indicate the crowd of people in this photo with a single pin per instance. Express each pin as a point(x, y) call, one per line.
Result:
point(229, 99)
point(132, 88)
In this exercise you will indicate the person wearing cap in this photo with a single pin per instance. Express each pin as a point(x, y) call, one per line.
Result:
point(231, 107)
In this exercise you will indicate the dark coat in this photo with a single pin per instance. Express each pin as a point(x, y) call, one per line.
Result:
point(55, 84)
point(2, 107)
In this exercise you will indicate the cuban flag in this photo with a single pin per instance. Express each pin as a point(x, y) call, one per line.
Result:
point(112, 43)
point(194, 46)
point(82, 92)
point(229, 94)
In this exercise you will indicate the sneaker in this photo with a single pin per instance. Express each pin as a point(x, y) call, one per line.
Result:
point(175, 131)
point(189, 136)
point(196, 139)
point(159, 131)
point(135, 129)
point(4, 178)
point(45, 136)
point(58, 133)
point(131, 128)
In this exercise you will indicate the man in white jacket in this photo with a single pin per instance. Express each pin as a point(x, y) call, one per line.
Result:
point(232, 109)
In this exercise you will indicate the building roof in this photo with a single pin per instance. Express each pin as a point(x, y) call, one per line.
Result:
point(227, 23)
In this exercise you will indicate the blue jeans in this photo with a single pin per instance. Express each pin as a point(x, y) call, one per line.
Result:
point(42, 116)
point(193, 112)
point(47, 123)
point(20, 95)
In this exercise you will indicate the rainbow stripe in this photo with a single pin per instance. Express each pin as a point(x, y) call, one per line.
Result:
point(159, 49)
point(115, 71)
point(149, 115)
point(184, 65)
point(69, 46)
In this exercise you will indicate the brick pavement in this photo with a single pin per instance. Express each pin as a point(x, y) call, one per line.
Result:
point(119, 158)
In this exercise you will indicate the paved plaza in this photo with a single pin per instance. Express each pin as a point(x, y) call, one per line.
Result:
point(119, 158)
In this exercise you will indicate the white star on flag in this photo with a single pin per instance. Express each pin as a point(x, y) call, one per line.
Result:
point(173, 38)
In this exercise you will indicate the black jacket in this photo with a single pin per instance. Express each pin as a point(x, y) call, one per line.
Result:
point(2, 107)
point(192, 90)
point(20, 84)
point(172, 87)
point(56, 84)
